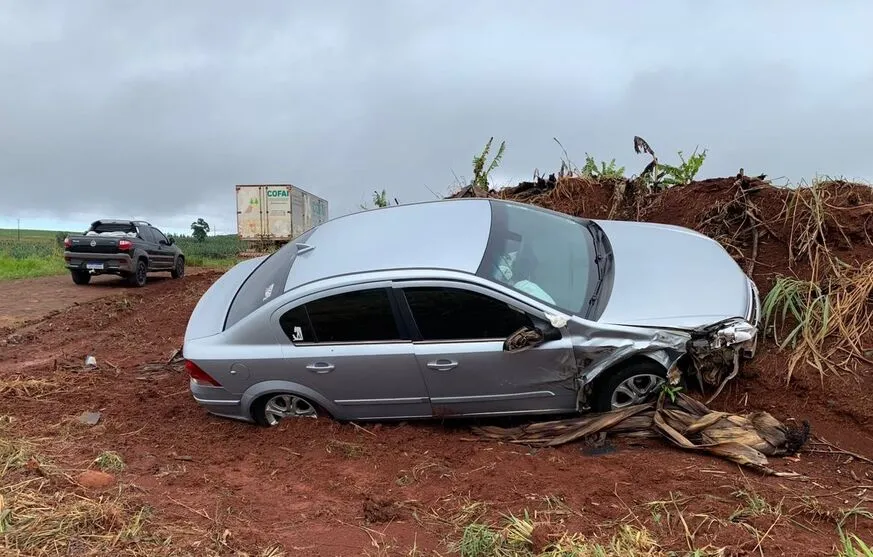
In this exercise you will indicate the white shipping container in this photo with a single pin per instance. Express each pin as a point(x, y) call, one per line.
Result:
point(276, 212)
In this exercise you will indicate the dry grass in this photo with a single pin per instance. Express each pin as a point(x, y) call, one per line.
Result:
point(42, 513)
point(811, 218)
point(830, 317)
point(29, 388)
point(517, 537)
point(826, 318)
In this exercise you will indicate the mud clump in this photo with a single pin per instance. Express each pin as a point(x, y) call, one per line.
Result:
point(378, 510)
point(95, 479)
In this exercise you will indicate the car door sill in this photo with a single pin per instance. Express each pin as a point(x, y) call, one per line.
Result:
point(367, 401)
point(491, 398)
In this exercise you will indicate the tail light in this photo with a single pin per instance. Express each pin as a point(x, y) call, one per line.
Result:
point(199, 376)
point(125, 245)
point(68, 243)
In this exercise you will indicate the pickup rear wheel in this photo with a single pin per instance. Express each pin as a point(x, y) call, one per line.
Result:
point(81, 277)
point(138, 276)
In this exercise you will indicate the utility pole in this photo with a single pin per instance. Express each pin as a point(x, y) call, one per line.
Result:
point(19, 229)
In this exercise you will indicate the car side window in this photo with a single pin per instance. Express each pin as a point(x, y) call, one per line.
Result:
point(444, 314)
point(359, 316)
point(159, 236)
point(146, 234)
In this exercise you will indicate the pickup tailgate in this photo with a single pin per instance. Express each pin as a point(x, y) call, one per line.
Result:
point(95, 244)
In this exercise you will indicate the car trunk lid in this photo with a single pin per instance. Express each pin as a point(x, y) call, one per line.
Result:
point(209, 314)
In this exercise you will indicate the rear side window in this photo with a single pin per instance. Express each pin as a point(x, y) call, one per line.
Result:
point(443, 314)
point(158, 235)
point(360, 316)
point(147, 235)
point(266, 282)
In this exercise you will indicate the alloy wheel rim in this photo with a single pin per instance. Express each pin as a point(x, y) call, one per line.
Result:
point(635, 390)
point(280, 407)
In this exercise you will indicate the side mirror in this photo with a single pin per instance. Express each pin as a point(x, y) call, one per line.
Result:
point(527, 337)
point(551, 333)
point(170, 241)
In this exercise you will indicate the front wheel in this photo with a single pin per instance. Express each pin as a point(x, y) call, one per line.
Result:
point(271, 409)
point(636, 383)
point(81, 277)
point(179, 269)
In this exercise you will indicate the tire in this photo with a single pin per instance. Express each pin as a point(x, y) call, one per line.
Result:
point(264, 410)
point(619, 383)
point(139, 275)
point(179, 268)
point(81, 277)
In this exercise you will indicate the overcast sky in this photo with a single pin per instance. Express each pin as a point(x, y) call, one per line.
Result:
point(156, 109)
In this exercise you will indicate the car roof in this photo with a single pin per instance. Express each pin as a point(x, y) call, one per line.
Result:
point(446, 234)
point(120, 221)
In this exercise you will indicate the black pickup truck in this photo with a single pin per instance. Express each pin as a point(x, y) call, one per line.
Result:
point(129, 248)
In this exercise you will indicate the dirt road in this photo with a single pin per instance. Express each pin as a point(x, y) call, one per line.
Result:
point(318, 487)
point(28, 299)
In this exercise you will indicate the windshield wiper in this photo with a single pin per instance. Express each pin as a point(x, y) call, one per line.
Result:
point(599, 260)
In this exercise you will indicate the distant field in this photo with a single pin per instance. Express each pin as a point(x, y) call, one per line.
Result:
point(35, 253)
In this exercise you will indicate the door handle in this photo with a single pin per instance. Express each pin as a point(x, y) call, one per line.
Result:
point(442, 364)
point(320, 367)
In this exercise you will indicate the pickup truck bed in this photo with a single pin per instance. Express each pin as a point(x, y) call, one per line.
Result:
point(130, 249)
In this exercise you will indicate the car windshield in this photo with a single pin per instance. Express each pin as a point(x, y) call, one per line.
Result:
point(266, 282)
point(544, 254)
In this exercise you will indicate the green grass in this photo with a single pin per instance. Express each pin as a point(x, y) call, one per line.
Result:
point(221, 264)
point(37, 254)
point(30, 267)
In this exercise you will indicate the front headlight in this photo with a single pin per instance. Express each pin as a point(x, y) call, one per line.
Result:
point(739, 332)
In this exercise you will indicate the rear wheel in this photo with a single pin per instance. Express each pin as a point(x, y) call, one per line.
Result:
point(179, 269)
point(271, 409)
point(636, 383)
point(81, 277)
point(140, 272)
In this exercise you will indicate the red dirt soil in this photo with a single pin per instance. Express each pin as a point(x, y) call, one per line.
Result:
point(318, 487)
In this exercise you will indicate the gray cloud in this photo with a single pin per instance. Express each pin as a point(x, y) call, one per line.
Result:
point(156, 109)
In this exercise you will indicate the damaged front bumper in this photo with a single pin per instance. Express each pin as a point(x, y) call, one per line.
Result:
point(716, 351)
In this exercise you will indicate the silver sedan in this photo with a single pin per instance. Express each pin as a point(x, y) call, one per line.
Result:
point(467, 307)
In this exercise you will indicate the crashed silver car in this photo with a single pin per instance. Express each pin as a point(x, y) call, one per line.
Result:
point(468, 307)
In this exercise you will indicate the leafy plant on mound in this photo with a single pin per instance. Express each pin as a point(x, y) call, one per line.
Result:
point(658, 176)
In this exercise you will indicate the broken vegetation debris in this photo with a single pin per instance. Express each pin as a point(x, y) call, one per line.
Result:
point(746, 439)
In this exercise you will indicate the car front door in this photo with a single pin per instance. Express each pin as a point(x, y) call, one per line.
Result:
point(150, 245)
point(459, 330)
point(352, 347)
point(165, 250)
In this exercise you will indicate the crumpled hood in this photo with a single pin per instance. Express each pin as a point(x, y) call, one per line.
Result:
point(669, 276)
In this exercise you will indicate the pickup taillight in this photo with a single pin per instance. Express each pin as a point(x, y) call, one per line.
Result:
point(125, 245)
point(68, 243)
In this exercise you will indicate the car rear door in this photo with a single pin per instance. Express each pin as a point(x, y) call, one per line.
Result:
point(459, 330)
point(351, 346)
